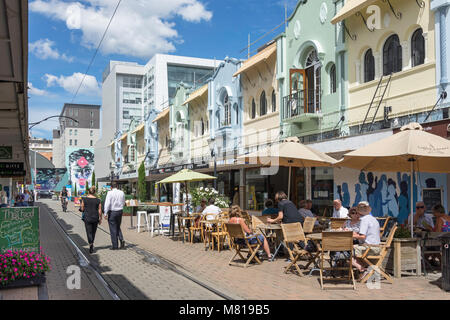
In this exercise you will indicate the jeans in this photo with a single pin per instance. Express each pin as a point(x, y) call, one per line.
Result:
point(91, 229)
point(114, 221)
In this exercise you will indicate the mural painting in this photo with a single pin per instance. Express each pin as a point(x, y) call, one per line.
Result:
point(48, 179)
point(387, 193)
point(80, 164)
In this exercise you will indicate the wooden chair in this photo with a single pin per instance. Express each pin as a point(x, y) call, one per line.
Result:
point(293, 234)
point(375, 261)
point(384, 222)
point(337, 223)
point(308, 225)
point(219, 235)
point(236, 232)
point(184, 230)
point(337, 241)
point(208, 229)
point(196, 229)
point(247, 218)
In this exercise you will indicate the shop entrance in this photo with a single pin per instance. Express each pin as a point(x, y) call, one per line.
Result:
point(299, 187)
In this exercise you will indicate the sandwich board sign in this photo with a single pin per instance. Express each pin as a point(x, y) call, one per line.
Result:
point(19, 229)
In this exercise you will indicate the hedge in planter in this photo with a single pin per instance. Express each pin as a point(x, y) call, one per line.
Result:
point(16, 265)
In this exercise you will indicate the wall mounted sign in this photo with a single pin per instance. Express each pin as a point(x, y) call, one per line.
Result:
point(6, 153)
point(11, 169)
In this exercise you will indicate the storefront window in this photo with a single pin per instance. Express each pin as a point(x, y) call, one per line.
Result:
point(322, 190)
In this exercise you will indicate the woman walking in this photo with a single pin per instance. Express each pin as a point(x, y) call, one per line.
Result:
point(92, 216)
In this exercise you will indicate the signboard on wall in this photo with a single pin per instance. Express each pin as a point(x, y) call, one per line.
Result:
point(6, 153)
point(12, 169)
point(19, 229)
point(432, 197)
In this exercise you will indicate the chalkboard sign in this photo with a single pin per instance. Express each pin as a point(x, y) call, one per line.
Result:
point(19, 229)
point(432, 197)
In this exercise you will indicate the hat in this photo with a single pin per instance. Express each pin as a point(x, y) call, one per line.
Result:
point(364, 207)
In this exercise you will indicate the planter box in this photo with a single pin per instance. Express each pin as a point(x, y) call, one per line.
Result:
point(21, 283)
point(403, 255)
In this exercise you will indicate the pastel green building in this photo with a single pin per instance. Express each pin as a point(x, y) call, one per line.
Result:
point(312, 73)
point(179, 125)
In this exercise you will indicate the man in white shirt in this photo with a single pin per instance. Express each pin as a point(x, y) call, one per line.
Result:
point(421, 219)
point(114, 203)
point(368, 236)
point(339, 211)
point(212, 210)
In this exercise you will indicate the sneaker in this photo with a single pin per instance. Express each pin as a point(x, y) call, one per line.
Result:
point(91, 249)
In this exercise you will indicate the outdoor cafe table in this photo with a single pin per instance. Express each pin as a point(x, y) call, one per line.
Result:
point(265, 228)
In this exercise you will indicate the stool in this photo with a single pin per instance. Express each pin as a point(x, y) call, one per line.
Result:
point(152, 222)
point(139, 214)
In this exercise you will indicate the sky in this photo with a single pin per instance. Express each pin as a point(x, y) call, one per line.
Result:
point(64, 35)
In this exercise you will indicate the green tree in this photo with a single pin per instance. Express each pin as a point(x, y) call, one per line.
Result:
point(93, 179)
point(75, 191)
point(87, 186)
point(142, 186)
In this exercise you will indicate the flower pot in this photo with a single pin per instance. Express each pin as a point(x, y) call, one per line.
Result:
point(21, 282)
point(403, 255)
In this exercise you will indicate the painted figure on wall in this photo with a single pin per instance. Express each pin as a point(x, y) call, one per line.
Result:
point(346, 196)
point(364, 186)
point(358, 195)
point(403, 202)
point(392, 199)
point(81, 166)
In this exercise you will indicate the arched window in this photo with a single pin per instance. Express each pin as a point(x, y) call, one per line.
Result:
point(392, 55)
point(262, 104)
point(274, 101)
point(227, 110)
point(333, 79)
point(369, 66)
point(313, 73)
point(417, 48)
point(253, 110)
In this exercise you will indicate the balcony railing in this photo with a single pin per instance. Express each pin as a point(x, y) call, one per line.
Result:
point(295, 105)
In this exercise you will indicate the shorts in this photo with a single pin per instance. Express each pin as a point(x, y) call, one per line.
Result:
point(358, 250)
point(252, 240)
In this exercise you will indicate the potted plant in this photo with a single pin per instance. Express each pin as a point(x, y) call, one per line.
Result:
point(200, 193)
point(404, 253)
point(21, 269)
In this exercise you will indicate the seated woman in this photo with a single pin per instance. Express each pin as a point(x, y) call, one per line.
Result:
point(354, 223)
point(235, 217)
point(442, 220)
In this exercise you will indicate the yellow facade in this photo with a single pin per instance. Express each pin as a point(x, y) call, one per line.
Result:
point(199, 124)
point(163, 141)
point(258, 79)
point(411, 90)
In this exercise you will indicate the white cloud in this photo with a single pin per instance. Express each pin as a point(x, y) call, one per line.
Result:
point(43, 49)
point(71, 83)
point(140, 28)
point(45, 129)
point(32, 91)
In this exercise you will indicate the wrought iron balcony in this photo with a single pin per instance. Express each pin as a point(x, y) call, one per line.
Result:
point(297, 109)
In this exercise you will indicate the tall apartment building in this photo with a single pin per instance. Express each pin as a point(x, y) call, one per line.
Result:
point(74, 142)
point(136, 93)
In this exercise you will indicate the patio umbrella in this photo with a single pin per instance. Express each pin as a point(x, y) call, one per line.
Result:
point(290, 153)
point(185, 176)
point(412, 149)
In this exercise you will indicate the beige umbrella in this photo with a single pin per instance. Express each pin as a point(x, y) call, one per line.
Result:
point(412, 149)
point(289, 153)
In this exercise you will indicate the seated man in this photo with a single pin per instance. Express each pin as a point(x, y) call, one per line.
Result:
point(269, 208)
point(368, 236)
point(211, 210)
point(339, 211)
point(305, 212)
point(201, 207)
point(421, 219)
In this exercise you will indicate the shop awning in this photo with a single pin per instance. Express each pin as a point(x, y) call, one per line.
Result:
point(139, 128)
point(258, 58)
point(197, 94)
point(124, 136)
point(162, 115)
point(350, 8)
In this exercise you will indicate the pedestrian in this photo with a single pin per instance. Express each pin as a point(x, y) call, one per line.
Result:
point(92, 216)
point(114, 203)
point(3, 199)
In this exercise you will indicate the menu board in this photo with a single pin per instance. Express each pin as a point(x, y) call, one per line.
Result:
point(19, 229)
point(432, 197)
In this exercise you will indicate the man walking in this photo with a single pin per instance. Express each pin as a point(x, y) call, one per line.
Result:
point(114, 202)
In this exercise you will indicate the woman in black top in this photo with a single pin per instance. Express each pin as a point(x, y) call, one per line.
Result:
point(287, 211)
point(92, 216)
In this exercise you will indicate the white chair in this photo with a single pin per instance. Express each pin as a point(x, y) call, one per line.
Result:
point(139, 215)
point(152, 223)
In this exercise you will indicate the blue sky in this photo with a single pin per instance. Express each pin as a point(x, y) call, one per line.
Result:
point(63, 36)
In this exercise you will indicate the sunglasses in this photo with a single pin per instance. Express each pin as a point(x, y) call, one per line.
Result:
point(422, 207)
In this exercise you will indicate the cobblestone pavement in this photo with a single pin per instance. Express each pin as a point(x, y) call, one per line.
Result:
point(131, 273)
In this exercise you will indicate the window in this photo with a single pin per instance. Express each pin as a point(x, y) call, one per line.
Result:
point(417, 48)
point(92, 114)
point(274, 101)
point(92, 143)
point(92, 133)
point(392, 55)
point(333, 79)
point(76, 132)
point(369, 66)
point(132, 82)
point(70, 132)
point(70, 142)
point(76, 142)
point(75, 112)
point(253, 110)
point(70, 112)
point(92, 123)
point(227, 110)
point(262, 104)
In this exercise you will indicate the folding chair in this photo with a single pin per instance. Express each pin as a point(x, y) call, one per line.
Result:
point(308, 225)
point(293, 234)
point(236, 232)
point(220, 234)
point(375, 261)
point(337, 223)
point(337, 241)
point(184, 230)
point(384, 222)
point(196, 229)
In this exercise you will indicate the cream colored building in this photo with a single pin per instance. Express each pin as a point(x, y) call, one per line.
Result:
point(260, 92)
point(398, 40)
point(164, 156)
point(199, 124)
